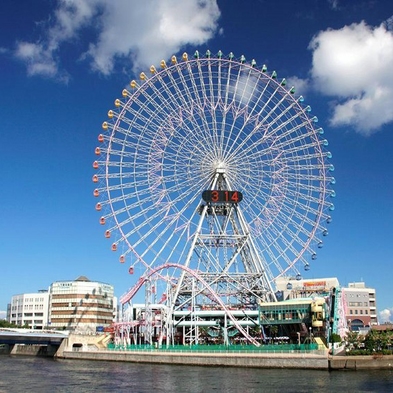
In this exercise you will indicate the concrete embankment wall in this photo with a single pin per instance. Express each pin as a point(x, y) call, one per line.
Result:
point(32, 350)
point(298, 361)
point(361, 362)
point(90, 348)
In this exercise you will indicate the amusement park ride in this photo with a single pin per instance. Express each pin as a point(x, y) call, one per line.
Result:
point(213, 182)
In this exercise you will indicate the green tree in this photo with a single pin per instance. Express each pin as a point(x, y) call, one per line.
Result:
point(378, 340)
point(353, 340)
point(335, 338)
point(6, 324)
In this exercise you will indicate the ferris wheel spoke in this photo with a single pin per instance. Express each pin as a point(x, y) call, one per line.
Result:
point(163, 209)
point(189, 96)
point(136, 117)
point(171, 234)
point(275, 257)
point(262, 125)
point(312, 212)
point(233, 131)
point(287, 244)
point(202, 102)
point(174, 235)
point(296, 144)
point(300, 233)
point(175, 99)
point(152, 230)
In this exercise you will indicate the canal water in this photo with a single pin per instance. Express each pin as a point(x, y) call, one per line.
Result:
point(32, 374)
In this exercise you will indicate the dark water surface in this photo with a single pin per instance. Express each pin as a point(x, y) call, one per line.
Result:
point(32, 374)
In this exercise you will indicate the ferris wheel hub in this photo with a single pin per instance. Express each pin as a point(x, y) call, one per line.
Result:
point(220, 167)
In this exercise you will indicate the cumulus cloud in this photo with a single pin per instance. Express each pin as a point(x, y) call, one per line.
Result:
point(354, 65)
point(386, 315)
point(39, 60)
point(139, 32)
point(302, 86)
point(3, 314)
point(389, 24)
point(69, 18)
point(151, 30)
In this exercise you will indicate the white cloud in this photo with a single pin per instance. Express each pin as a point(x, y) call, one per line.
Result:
point(38, 59)
point(386, 315)
point(333, 4)
point(354, 65)
point(140, 32)
point(3, 314)
point(41, 57)
point(389, 24)
point(151, 30)
point(301, 85)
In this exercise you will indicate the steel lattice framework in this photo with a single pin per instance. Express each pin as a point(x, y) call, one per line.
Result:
point(219, 124)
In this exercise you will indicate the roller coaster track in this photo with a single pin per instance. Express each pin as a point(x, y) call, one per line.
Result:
point(131, 293)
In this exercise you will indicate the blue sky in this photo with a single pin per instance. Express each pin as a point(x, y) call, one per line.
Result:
point(64, 62)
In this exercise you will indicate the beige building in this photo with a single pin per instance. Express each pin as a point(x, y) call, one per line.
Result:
point(360, 306)
point(81, 305)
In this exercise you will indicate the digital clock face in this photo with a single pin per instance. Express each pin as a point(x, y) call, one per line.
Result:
point(222, 196)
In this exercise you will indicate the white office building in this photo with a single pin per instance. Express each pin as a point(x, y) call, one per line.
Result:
point(29, 309)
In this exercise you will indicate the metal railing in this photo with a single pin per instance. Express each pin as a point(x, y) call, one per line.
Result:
point(277, 348)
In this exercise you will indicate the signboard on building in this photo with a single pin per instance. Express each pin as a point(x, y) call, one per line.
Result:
point(314, 285)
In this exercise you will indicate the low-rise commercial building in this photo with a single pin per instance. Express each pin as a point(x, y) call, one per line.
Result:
point(360, 306)
point(81, 305)
point(29, 309)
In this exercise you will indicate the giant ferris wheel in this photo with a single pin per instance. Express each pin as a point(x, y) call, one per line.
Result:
point(213, 180)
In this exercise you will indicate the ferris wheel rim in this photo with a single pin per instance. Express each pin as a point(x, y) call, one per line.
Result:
point(278, 205)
